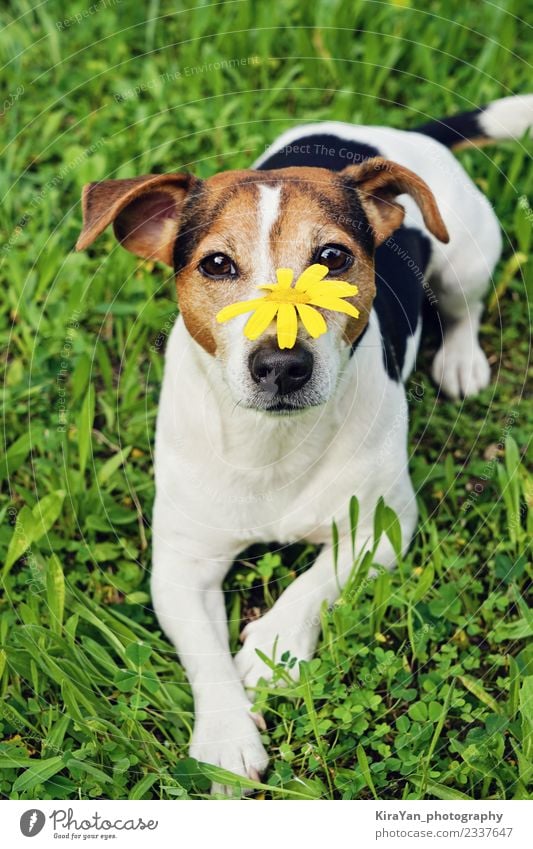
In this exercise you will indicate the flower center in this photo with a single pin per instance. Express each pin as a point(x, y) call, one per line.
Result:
point(287, 296)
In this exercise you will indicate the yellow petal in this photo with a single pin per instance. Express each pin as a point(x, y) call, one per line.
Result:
point(238, 308)
point(259, 321)
point(287, 326)
point(335, 304)
point(312, 320)
point(314, 274)
point(337, 288)
point(284, 276)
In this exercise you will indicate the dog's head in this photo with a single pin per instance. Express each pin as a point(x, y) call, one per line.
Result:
point(227, 235)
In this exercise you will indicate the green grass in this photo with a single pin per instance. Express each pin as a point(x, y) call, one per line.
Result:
point(423, 683)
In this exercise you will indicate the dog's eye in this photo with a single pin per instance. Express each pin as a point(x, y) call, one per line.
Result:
point(335, 257)
point(217, 265)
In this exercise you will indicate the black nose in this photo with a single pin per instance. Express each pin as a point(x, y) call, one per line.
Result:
point(281, 372)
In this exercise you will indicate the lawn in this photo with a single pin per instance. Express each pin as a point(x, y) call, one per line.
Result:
point(423, 683)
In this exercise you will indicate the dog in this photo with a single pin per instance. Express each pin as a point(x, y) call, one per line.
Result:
point(258, 444)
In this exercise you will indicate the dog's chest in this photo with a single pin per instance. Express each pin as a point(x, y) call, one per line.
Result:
point(243, 475)
point(287, 491)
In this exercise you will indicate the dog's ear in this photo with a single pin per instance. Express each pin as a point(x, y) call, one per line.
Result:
point(378, 182)
point(145, 212)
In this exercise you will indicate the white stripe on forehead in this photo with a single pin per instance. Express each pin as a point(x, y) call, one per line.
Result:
point(267, 213)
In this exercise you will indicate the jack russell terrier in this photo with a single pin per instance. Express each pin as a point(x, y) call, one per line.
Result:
point(259, 444)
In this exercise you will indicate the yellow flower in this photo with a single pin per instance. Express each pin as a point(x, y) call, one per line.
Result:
point(288, 302)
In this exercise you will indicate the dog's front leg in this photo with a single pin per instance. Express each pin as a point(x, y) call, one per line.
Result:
point(293, 624)
point(188, 600)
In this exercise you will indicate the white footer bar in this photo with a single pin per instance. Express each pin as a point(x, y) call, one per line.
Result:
point(268, 825)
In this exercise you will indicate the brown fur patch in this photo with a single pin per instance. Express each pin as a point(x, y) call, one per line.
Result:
point(233, 231)
point(312, 213)
point(145, 213)
point(379, 181)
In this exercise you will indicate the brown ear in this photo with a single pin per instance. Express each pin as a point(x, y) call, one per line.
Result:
point(145, 212)
point(378, 182)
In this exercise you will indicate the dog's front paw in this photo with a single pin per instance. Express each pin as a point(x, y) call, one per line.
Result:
point(274, 635)
point(461, 371)
point(230, 740)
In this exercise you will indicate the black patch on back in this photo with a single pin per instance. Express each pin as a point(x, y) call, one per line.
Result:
point(400, 263)
point(319, 150)
point(454, 130)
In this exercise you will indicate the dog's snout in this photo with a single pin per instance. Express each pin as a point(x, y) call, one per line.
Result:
point(281, 371)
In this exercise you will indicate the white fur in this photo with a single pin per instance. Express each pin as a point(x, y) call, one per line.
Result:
point(411, 351)
point(508, 118)
point(227, 476)
point(268, 211)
